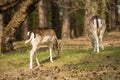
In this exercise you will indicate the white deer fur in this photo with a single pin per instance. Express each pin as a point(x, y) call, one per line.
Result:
point(96, 29)
point(42, 36)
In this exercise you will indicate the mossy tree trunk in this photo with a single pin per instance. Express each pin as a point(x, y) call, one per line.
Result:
point(16, 21)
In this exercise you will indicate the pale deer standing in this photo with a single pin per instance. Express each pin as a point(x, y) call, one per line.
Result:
point(42, 36)
point(96, 28)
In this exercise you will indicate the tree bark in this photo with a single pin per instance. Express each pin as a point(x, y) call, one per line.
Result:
point(24, 29)
point(21, 33)
point(18, 18)
point(42, 14)
point(66, 21)
point(66, 27)
point(111, 15)
point(87, 15)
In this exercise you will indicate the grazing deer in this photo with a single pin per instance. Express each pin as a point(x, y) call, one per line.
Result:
point(42, 36)
point(96, 29)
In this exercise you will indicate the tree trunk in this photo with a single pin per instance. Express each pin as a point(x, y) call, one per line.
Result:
point(1, 30)
point(113, 17)
point(18, 18)
point(103, 8)
point(24, 29)
point(87, 15)
point(66, 21)
point(56, 18)
point(42, 14)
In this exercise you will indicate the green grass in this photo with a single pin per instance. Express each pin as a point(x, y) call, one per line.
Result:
point(12, 61)
point(78, 60)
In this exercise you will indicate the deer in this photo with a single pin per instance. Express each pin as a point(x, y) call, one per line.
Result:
point(96, 28)
point(44, 36)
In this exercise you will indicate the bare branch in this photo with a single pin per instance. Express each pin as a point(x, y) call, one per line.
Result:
point(4, 5)
point(6, 2)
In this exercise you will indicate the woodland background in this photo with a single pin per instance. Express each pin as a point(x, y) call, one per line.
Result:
point(67, 17)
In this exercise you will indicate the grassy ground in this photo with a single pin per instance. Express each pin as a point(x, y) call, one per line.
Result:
point(76, 62)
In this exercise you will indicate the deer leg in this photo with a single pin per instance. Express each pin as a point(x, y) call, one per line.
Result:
point(37, 61)
point(93, 43)
point(94, 46)
point(101, 40)
point(92, 38)
point(97, 45)
point(50, 52)
point(101, 43)
point(96, 42)
point(34, 48)
point(56, 50)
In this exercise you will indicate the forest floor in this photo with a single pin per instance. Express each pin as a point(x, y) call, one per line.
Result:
point(77, 61)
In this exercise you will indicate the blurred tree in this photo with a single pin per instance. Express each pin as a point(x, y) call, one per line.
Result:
point(26, 7)
point(24, 29)
point(87, 13)
point(1, 31)
point(21, 32)
point(111, 15)
point(55, 11)
point(66, 20)
point(33, 19)
point(42, 13)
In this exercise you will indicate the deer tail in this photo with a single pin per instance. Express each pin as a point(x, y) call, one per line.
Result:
point(31, 36)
